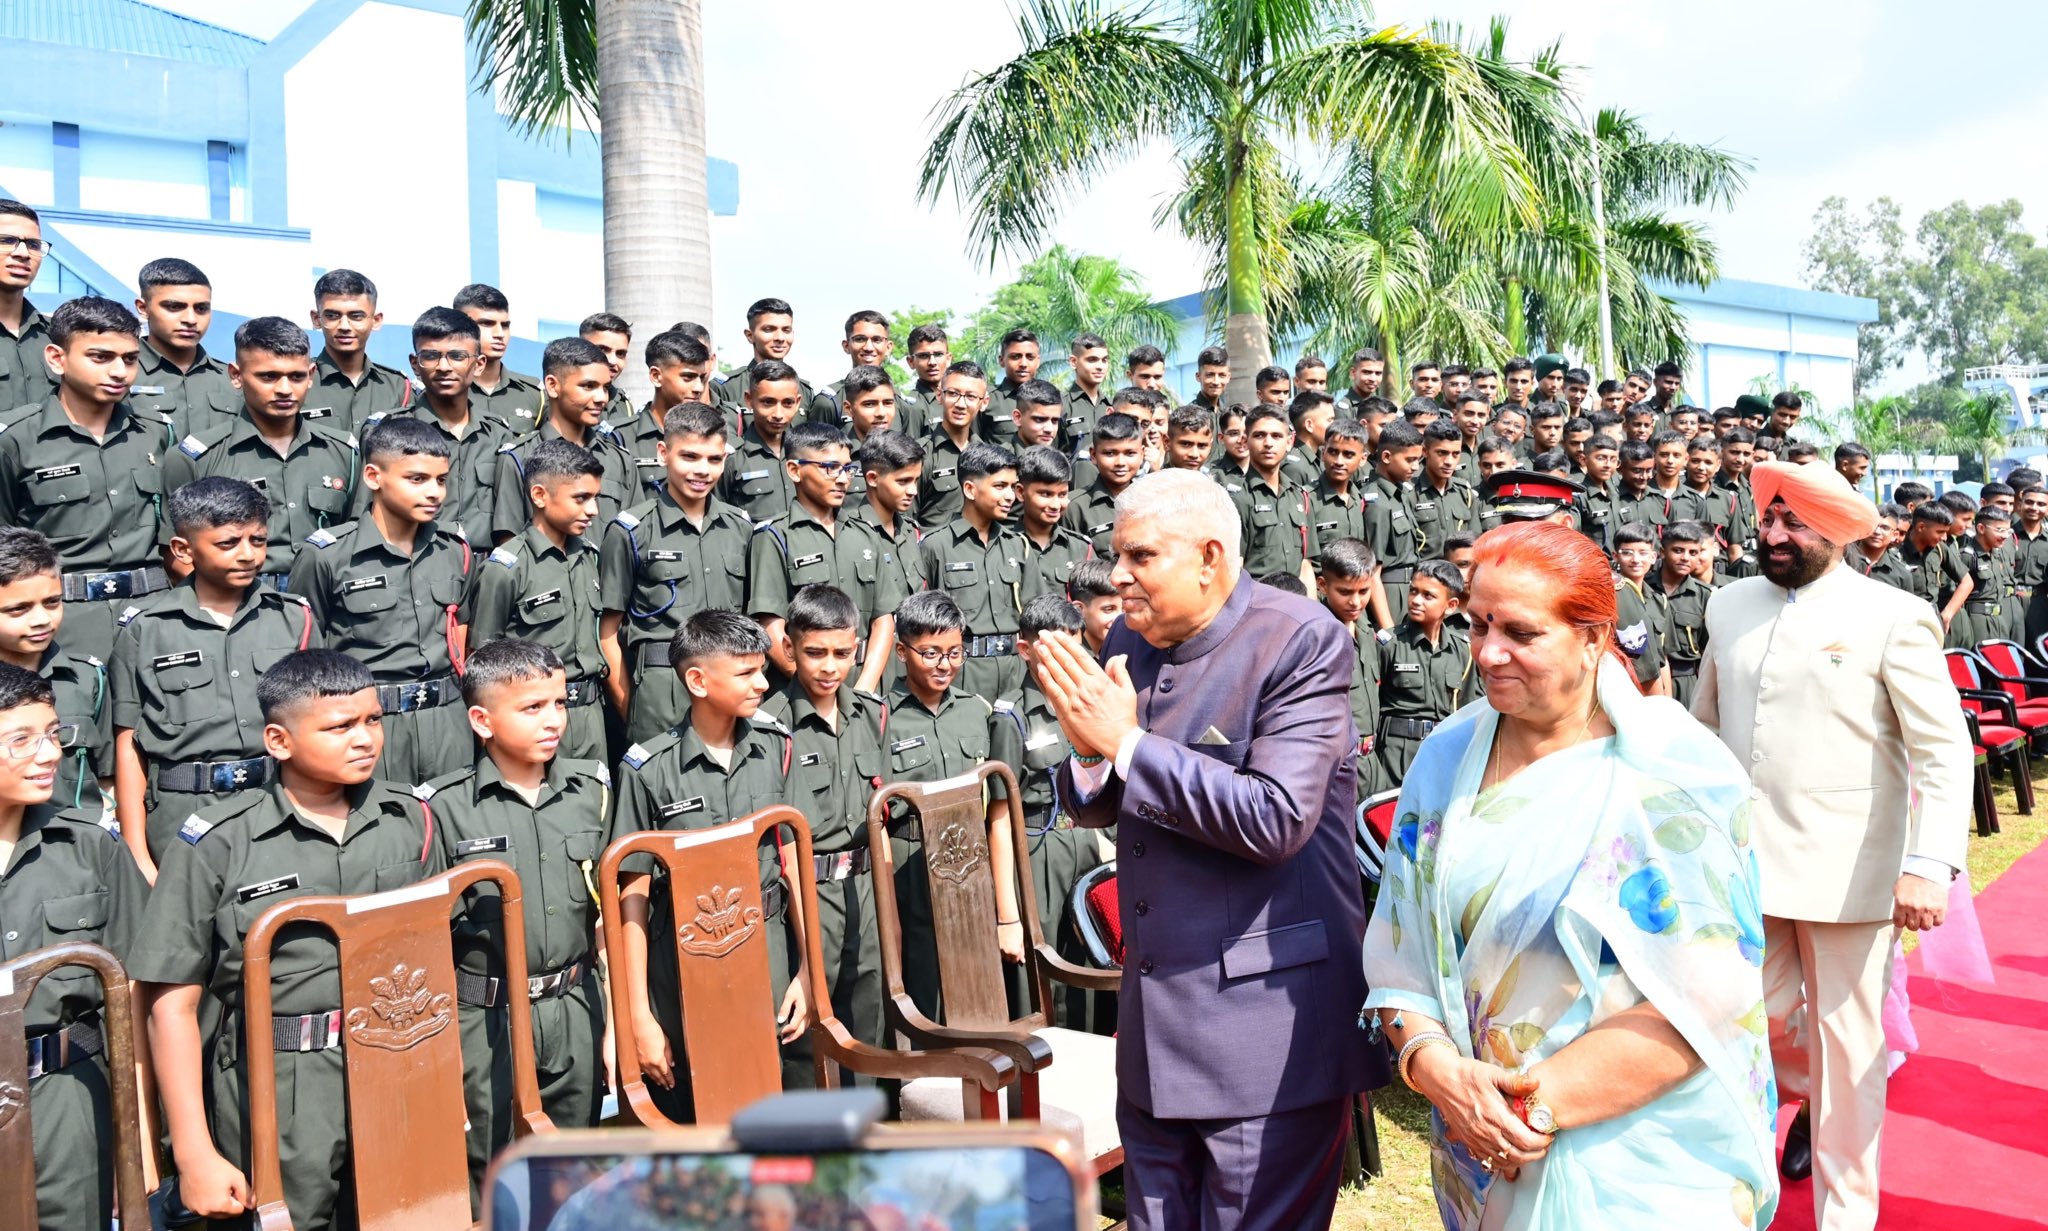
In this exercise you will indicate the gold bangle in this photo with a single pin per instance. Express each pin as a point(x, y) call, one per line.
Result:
point(1416, 1044)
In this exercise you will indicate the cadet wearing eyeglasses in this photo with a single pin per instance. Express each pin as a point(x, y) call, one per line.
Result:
point(24, 332)
point(347, 386)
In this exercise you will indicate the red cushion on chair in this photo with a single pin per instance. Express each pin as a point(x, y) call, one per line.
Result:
point(1380, 819)
point(1998, 738)
point(1103, 901)
point(2032, 714)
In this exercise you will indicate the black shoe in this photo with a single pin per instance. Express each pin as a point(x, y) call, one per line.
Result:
point(1797, 1161)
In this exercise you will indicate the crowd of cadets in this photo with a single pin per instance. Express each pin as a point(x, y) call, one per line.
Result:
point(243, 596)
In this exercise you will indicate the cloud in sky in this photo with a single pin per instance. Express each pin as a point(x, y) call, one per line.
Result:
point(826, 108)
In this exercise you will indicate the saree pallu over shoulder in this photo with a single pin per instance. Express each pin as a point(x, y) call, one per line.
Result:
point(1613, 872)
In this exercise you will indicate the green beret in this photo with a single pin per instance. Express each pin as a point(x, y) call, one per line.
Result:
point(1750, 404)
point(1546, 364)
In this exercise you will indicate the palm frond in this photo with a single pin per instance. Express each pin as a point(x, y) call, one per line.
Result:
point(1646, 173)
point(541, 55)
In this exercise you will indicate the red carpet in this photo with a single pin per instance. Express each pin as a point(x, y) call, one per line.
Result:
point(1966, 1128)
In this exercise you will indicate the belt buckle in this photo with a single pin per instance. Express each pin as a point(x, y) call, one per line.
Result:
point(842, 865)
point(572, 694)
point(420, 693)
point(535, 986)
point(109, 585)
point(333, 1029)
point(306, 1033)
point(36, 1066)
point(227, 776)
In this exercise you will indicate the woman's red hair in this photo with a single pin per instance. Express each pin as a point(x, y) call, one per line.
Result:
point(1580, 581)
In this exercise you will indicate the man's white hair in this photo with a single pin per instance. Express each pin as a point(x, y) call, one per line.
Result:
point(1191, 505)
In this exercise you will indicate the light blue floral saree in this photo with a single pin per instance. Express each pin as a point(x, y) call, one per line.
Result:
point(1610, 873)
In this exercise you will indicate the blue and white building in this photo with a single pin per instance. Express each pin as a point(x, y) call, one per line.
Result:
point(352, 139)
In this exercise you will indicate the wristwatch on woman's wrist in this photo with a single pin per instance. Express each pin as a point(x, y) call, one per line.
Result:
point(1535, 1113)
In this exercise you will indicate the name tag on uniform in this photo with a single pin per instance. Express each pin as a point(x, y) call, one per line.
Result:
point(1262, 508)
point(665, 556)
point(694, 803)
point(1398, 516)
point(483, 846)
point(1077, 420)
point(960, 566)
point(748, 476)
point(647, 461)
point(153, 391)
point(353, 584)
point(184, 658)
point(807, 561)
point(263, 889)
point(940, 474)
point(1099, 529)
point(1401, 668)
point(1325, 525)
point(542, 599)
point(905, 745)
point(316, 412)
point(1043, 739)
point(260, 483)
point(1425, 506)
point(55, 472)
point(809, 758)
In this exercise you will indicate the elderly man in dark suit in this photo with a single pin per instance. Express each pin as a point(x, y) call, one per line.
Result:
point(1218, 739)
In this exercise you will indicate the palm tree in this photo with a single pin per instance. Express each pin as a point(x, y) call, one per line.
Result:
point(1064, 293)
point(1976, 425)
point(637, 68)
point(1227, 82)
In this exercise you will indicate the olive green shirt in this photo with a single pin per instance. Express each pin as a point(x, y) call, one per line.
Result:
point(796, 550)
point(310, 486)
point(472, 465)
point(897, 552)
point(98, 501)
point(917, 409)
point(1048, 568)
point(512, 505)
point(1278, 525)
point(939, 498)
point(833, 772)
point(24, 374)
point(755, 481)
point(187, 686)
point(731, 393)
point(1091, 513)
point(388, 609)
point(922, 744)
point(1441, 514)
point(535, 591)
point(660, 568)
point(518, 401)
point(997, 422)
point(1390, 524)
point(1334, 516)
point(985, 575)
point(1687, 639)
point(70, 878)
point(1642, 624)
point(344, 404)
point(673, 782)
point(1424, 681)
point(191, 399)
point(1933, 575)
point(639, 433)
point(79, 682)
point(1079, 415)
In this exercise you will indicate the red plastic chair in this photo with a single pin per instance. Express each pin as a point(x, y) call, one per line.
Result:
point(1983, 804)
point(1970, 671)
point(1375, 831)
point(1995, 726)
point(2004, 665)
point(1096, 917)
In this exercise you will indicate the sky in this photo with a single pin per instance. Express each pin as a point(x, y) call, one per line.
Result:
point(827, 107)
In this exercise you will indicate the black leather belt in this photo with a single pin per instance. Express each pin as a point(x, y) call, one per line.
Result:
point(1682, 667)
point(418, 695)
point(62, 1048)
point(215, 777)
point(1990, 608)
point(307, 1032)
point(999, 645)
point(1397, 573)
point(477, 990)
point(840, 865)
point(119, 583)
point(1407, 727)
point(652, 654)
point(585, 691)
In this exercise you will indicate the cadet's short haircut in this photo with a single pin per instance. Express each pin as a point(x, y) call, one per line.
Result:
point(215, 501)
point(694, 331)
point(11, 208)
point(1355, 432)
point(675, 346)
point(1634, 532)
point(925, 333)
point(1687, 531)
point(1462, 541)
point(1633, 451)
point(1894, 510)
point(169, 271)
point(1048, 613)
point(692, 419)
point(890, 451)
point(716, 633)
point(1702, 443)
point(436, 324)
point(821, 608)
point(565, 353)
point(1578, 423)
point(1737, 436)
point(1364, 354)
point(270, 335)
point(1666, 437)
point(1397, 436)
point(343, 284)
point(1479, 374)
point(1377, 405)
point(25, 553)
point(1142, 356)
point(2023, 476)
point(1309, 363)
point(809, 439)
point(396, 436)
point(1787, 400)
point(1115, 426)
point(559, 461)
point(1281, 579)
point(1601, 419)
point(1547, 410)
point(308, 675)
point(1910, 490)
point(1641, 410)
point(1443, 573)
point(1455, 369)
point(1932, 511)
point(1468, 398)
point(1551, 461)
point(19, 686)
point(1213, 357)
point(982, 459)
point(481, 295)
point(1441, 429)
point(1091, 579)
point(927, 613)
point(505, 661)
point(770, 371)
point(1236, 410)
point(1642, 374)
point(1608, 386)
point(968, 368)
point(1347, 560)
point(1189, 418)
point(1517, 364)
point(1044, 464)
point(1958, 502)
point(1850, 449)
point(91, 314)
point(1418, 408)
point(866, 316)
point(1084, 342)
point(768, 307)
point(1984, 493)
point(1801, 450)
point(1992, 513)
point(1035, 392)
point(1669, 368)
point(1302, 404)
point(1269, 375)
point(1577, 376)
point(1262, 412)
point(1013, 338)
point(604, 322)
point(863, 379)
point(1427, 365)
point(1131, 395)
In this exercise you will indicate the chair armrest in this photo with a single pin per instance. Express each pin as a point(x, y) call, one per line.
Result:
point(1029, 1052)
point(1088, 978)
point(1997, 700)
point(991, 1070)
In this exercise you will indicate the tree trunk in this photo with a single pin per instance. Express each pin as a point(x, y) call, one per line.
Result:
point(1514, 322)
point(657, 211)
point(1244, 327)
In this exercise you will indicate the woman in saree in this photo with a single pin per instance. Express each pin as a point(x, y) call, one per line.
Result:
point(1567, 947)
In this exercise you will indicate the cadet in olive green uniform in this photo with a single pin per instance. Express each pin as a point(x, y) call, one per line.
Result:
point(544, 586)
point(2030, 566)
point(770, 332)
point(83, 472)
point(79, 682)
point(938, 492)
point(1442, 503)
point(666, 559)
point(1346, 572)
point(464, 420)
point(178, 380)
point(63, 877)
point(231, 863)
point(348, 387)
point(31, 637)
point(346, 402)
point(1425, 671)
point(24, 377)
point(576, 372)
point(547, 816)
point(195, 399)
point(1390, 516)
point(755, 480)
point(1924, 553)
point(1642, 622)
point(387, 590)
point(1991, 574)
point(1336, 507)
point(188, 731)
point(1686, 597)
point(676, 781)
point(934, 731)
point(892, 465)
point(979, 563)
point(1051, 549)
point(836, 764)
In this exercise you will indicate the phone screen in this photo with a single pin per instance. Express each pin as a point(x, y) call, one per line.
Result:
point(1006, 1188)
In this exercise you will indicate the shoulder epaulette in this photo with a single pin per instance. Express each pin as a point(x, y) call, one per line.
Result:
point(510, 445)
point(443, 782)
point(370, 421)
point(192, 446)
point(127, 615)
point(108, 822)
point(588, 769)
point(764, 722)
point(626, 520)
point(423, 791)
point(500, 556)
point(872, 698)
point(322, 538)
point(93, 659)
point(286, 596)
point(602, 428)
point(984, 702)
point(637, 755)
point(195, 828)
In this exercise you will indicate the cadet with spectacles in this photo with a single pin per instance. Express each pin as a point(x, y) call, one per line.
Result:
point(24, 332)
point(917, 407)
point(961, 396)
point(348, 387)
point(867, 345)
point(806, 546)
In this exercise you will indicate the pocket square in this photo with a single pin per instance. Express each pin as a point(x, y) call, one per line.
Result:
point(1212, 736)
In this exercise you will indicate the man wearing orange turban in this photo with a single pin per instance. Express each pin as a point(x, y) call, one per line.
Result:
point(1830, 688)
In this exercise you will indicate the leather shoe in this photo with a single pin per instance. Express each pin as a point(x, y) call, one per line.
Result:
point(1797, 1161)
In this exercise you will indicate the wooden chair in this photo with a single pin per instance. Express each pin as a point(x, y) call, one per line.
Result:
point(949, 818)
point(18, 981)
point(401, 1046)
point(727, 1003)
